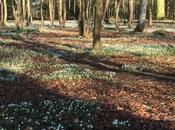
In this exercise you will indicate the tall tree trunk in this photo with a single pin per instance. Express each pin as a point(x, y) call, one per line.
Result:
point(124, 11)
point(2, 12)
point(97, 45)
point(18, 13)
point(51, 11)
point(131, 13)
point(29, 14)
point(117, 19)
point(142, 16)
point(160, 9)
point(64, 13)
point(60, 12)
point(150, 21)
point(5, 12)
point(84, 28)
point(105, 8)
point(41, 13)
point(23, 13)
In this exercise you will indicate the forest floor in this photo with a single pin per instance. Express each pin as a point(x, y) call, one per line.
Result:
point(52, 80)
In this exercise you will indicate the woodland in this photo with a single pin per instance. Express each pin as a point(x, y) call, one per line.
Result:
point(87, 64)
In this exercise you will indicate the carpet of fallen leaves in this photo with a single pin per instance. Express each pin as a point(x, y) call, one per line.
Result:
point(147, 101)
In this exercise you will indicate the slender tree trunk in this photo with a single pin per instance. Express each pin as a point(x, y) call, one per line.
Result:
point(5, 12)
point(64, 12)
point(29, 14)
point(124, 12)
point(117, 19)
point(160, 9)
point(41, 13)
point(2, 12)
point(131, 12)
point(84, 28)
point(142, 16)
point(97, 45)
point(18, 13)
point(51, 11)
point(105, 8)
point(24, 13)
point(60, 13)
point(150, 21)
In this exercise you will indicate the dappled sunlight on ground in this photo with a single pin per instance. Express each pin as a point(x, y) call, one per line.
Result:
point(130, 84)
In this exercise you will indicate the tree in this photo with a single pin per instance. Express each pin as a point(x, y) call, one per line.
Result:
point(2, 11)
point(41, 13)
point(160, 9)
point(97, 25)
point(62, 12)
point(3, 4)
point(5, 12)
point(18, 13)
point(131, 12)
point(84, 28)
point(29, 14)
point(105, 8)
point(117, 8)
point(51, 12)
point(150, 13)
point(142, 16)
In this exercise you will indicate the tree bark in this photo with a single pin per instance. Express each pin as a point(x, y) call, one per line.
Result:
point(51, 12)
point(29, 14)
point(142, 16)
point(5, 12)
point(97, 45)
point(131, 12)
point(117, 19)
point(84, 28)
point(60, 12)
point(41, 13)
point(160, 9)
point(150, 21)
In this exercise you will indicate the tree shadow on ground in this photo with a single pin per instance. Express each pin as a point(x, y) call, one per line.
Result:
point(24, 88)
point(86, 59)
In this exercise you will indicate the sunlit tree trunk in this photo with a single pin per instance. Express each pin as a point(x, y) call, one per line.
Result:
point(131, 13)
point(160, 9)
point(51, 11)
point(105, 8)
point(142, 16)
point(41, 13)
point(29, 14)
point(24, 13)
point(150, 21)
point(117, 8)
point(84, 28)
point(18, 13)
point(97, 45)
point(60, 12)
point(2, 12)
point(5, 12)
point(64, 12)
